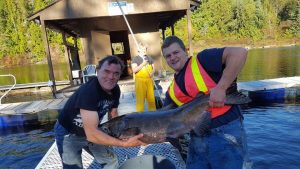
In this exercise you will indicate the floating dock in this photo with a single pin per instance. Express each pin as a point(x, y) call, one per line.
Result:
point(270, 90)
point(33, 85)
point(14, 114)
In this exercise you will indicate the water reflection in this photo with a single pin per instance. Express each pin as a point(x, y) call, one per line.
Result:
point(34, 73)
point(261, 64)
point(271, 63)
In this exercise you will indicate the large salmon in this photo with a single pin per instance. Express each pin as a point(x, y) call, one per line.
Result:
point(159, 125)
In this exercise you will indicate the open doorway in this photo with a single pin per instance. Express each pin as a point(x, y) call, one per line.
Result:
point(120, 47)
point(74, 63)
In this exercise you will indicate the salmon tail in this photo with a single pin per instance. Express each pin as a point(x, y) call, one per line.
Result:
point(203, 124)
point(237, 98)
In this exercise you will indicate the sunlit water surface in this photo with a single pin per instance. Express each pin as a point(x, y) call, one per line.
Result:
point(272, 134)
point(272, 130)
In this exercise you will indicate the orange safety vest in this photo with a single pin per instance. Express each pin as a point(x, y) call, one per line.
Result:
point(195, 80)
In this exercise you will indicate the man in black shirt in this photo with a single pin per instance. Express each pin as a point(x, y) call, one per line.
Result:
point(77, 125)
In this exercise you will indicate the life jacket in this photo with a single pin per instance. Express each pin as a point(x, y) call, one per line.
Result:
point(196, 80)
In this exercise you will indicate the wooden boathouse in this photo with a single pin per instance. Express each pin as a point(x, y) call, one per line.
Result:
point(103, 31)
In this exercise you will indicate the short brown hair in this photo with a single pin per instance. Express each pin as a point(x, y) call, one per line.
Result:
point(173, 39)
point(111, 59)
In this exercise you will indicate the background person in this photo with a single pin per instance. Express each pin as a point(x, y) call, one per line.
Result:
point(143, 69)
point(212, 71)
point(77, 125)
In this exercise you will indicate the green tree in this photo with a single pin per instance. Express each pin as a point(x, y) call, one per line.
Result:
point(20, 37)
point(247, 20)
point(270, 18)
point(295, 17)
point(213, 18)
point(15, 26)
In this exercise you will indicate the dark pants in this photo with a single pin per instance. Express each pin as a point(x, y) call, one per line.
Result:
point(70, 148)
point(223, 148)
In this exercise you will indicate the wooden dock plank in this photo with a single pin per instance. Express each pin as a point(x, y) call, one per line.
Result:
point(10, 108)
point(19, 109)
point(2, 106)
point(36, 106)
point(62, 103)
point(54, 104)
point(33, 85)
point(42, 106)
point(269, 84)
point(33, 107)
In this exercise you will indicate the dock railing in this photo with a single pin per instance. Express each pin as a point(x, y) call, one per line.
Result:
point(15, 82)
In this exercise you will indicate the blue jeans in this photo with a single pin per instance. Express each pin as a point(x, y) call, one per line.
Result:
point(70, 149)
point(223, 147)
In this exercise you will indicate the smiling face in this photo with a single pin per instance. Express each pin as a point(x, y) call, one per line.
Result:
point(108, 75)
point(175, 56)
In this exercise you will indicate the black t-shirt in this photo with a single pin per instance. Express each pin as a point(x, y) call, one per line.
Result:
point(90, 96)
point(211, 61)
point(139, 60)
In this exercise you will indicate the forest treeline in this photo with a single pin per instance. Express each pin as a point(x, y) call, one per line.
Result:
point(225, 20)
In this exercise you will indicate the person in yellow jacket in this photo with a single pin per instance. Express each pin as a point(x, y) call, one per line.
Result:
point(143, 70)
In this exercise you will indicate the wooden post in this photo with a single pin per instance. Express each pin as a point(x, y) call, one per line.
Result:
point(189, 25)
point(172, 29)
point(47, 49)
point(67, 57)
point(88, 49)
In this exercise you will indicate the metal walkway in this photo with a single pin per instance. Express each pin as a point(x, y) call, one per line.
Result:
point(127, 105)
point(53, 161)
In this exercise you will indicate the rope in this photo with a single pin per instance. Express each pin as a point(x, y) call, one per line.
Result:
point(135, 41)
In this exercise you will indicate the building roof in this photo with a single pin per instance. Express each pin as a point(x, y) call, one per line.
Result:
point(77, 17)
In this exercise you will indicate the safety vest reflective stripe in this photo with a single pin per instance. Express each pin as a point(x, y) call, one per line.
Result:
point(197, 84)
point(209, 83)
point(195, 81)
point(180, 97)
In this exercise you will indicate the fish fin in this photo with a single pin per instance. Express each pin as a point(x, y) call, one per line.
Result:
point(175, 142)
point(237, 98)
point(204, 124)
point(200, 94)
point(167, 107)
point(176, 129)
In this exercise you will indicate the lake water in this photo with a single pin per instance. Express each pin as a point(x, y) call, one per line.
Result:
point(271, 63)
point(272, 134)
point(272, 130)
point(261, 64)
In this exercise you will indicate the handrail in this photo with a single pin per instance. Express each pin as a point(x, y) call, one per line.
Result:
point(15, 82)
